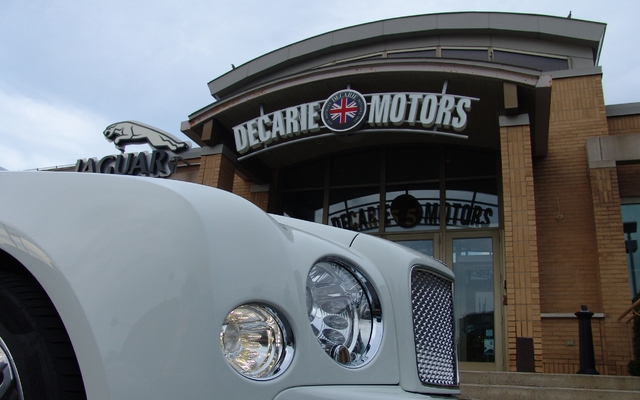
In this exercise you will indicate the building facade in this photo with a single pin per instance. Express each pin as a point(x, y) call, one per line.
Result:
point(482, 139)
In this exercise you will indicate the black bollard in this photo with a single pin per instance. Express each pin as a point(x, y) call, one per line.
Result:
point(587, 357)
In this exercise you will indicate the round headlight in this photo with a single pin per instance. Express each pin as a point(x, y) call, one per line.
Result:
point(344, 312)
point(256, 342)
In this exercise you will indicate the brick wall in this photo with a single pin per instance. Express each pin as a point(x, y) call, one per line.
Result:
point(612, 269)
point(243, 189)
point(624, 124)
point(628, 175)
point(575, 215)
point(216, 170)
point(520, 244)
point(561, 340)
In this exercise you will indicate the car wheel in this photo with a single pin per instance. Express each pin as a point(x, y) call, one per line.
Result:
point(37, 360)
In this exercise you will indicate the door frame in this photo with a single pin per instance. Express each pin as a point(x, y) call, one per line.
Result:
point(443, 250)
point(498, 293)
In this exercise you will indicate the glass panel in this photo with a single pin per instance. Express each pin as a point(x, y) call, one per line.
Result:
point(405, 164)
point(413, 207)
point(472, 204)
point(474, 300)
point(423, 246)
point(468, 163)
point(356, 169)
point(413, 54)
point(306, 205)
point(356, 209)
point(305, 176)
point(463, 54)
point(630, 219)
point(413, 198)
point(530, 61)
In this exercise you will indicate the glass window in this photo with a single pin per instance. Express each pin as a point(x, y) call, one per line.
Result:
point(413, 54)
point(465, 163)
point(465, 54)
point(474, 299)
point(356, 209)
point(424, 246)
point(413, 207)
point(472, 204)
point(630, 222)
point(305, 205)
point(406, 164)
point(411, 181)
point(356, 169)
point(304, 176)
point(530, 61)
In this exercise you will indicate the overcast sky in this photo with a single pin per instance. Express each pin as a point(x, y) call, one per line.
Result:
point(69, 68)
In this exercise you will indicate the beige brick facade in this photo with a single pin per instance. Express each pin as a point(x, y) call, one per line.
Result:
point(216, 170)
point(580, 242)
point(243, 189)
point(628, 175)
point(520, 243)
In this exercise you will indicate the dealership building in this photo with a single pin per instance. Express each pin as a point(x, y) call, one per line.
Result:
point(479, 138)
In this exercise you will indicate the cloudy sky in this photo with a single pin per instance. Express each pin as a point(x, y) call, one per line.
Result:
point(69, 68)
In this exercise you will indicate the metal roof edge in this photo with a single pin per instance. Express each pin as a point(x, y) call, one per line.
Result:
point(619, 110)
point(427, 24)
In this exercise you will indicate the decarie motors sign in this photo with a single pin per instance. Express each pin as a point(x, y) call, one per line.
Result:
point(347, 110)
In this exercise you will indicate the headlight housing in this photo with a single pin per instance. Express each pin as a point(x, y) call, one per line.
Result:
point(256, 341)
point(344, 312)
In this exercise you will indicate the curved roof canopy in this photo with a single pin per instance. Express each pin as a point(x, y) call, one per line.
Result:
point(434, 29)
point(471, 53)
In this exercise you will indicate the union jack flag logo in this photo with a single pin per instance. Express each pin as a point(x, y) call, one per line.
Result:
point(344, 111)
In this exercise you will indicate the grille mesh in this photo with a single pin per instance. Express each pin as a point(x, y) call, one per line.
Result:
point(433, 328)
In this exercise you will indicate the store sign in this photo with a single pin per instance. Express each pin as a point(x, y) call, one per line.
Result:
point(133, 132)
point(406, 211)
point(344, 111)
point(156, 164)
point(347, 111)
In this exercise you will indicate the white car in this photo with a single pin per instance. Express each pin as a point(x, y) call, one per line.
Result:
point(115, 287)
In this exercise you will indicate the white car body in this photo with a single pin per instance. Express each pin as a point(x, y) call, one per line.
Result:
point(144, 271)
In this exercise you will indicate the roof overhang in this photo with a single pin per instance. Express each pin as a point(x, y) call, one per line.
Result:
point(565, 30)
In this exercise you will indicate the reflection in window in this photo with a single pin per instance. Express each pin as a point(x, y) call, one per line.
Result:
point(424, 246)
point(355, 209)
point(472, 204)
point(474, 305)
point(413, 207)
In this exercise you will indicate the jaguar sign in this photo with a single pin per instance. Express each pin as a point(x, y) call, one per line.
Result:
point(156, 164)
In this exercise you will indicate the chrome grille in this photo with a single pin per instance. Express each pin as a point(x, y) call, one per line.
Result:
point(433, 328)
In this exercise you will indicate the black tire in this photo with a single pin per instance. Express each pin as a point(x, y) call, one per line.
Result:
point(32, 333)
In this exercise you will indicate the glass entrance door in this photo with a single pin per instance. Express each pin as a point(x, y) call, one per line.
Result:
point(477, 302)
point(478, 320)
